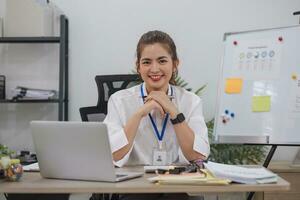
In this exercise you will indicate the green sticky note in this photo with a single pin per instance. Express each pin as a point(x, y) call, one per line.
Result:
point(261, 103)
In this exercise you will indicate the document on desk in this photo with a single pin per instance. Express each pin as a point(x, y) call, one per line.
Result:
point(240, 174)
point(32, 167)
point(199, 178)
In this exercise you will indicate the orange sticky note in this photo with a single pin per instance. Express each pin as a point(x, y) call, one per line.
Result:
point(233, 85)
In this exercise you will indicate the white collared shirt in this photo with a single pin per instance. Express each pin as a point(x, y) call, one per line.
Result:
point(123, 104)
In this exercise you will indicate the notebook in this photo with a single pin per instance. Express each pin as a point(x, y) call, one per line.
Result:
point(242, 174)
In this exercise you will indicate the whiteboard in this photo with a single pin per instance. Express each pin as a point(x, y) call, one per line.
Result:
point(259, 88)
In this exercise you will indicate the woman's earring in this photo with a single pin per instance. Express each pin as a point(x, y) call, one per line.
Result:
point(175, 73)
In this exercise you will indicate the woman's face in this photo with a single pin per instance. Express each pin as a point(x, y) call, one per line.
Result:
point(156, 67)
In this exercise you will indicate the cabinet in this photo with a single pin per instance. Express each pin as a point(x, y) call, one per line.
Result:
point(62, 41)
point(37, 62)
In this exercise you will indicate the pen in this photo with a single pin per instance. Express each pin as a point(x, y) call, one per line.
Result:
point(170, 97)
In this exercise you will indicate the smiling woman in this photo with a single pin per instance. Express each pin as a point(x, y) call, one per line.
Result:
point(156, 122)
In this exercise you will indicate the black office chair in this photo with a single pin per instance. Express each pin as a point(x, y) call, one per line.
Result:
point(107, 85)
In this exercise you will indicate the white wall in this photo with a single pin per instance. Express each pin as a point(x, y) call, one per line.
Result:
point(2, 13)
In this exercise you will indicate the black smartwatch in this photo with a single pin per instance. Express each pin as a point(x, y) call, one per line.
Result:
point(179, 118)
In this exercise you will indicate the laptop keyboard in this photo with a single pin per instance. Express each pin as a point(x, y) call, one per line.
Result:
point(121, 175)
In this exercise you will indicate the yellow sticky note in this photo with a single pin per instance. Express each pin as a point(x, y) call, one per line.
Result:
point(233, 85)
point(261, 103)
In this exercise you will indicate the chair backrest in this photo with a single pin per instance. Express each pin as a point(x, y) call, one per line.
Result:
point(91, 114)
point(107, 85)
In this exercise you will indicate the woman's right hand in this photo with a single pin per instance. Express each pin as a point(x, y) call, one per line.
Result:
point(149, 106)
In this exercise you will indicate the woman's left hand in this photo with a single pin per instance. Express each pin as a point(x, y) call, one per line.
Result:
point(164, 101)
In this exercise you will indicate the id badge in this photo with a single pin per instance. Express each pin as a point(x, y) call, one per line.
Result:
point(159, 156)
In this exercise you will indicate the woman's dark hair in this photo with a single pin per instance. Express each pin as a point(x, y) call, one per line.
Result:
point(153, 37)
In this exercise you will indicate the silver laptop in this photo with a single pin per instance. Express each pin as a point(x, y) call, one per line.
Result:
point(75, 150)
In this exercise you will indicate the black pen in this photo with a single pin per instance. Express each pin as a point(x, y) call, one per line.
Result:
point(170, 97)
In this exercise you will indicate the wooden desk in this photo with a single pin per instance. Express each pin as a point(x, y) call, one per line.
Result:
point(32, 182)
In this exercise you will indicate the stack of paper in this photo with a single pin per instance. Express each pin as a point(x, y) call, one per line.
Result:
point(31, 93)
point(203, 178)
point(242, 174)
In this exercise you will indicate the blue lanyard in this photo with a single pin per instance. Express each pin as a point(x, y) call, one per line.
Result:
point(159, 135)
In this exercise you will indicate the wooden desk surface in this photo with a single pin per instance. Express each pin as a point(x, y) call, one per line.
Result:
point(32, 182)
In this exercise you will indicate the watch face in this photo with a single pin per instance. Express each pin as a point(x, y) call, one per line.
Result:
point(180, 117)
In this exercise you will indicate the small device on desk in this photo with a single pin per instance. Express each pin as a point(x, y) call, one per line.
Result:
point(170, 169)
point(154, 168)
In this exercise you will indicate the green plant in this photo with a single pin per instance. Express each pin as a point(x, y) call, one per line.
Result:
point(5, 151)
